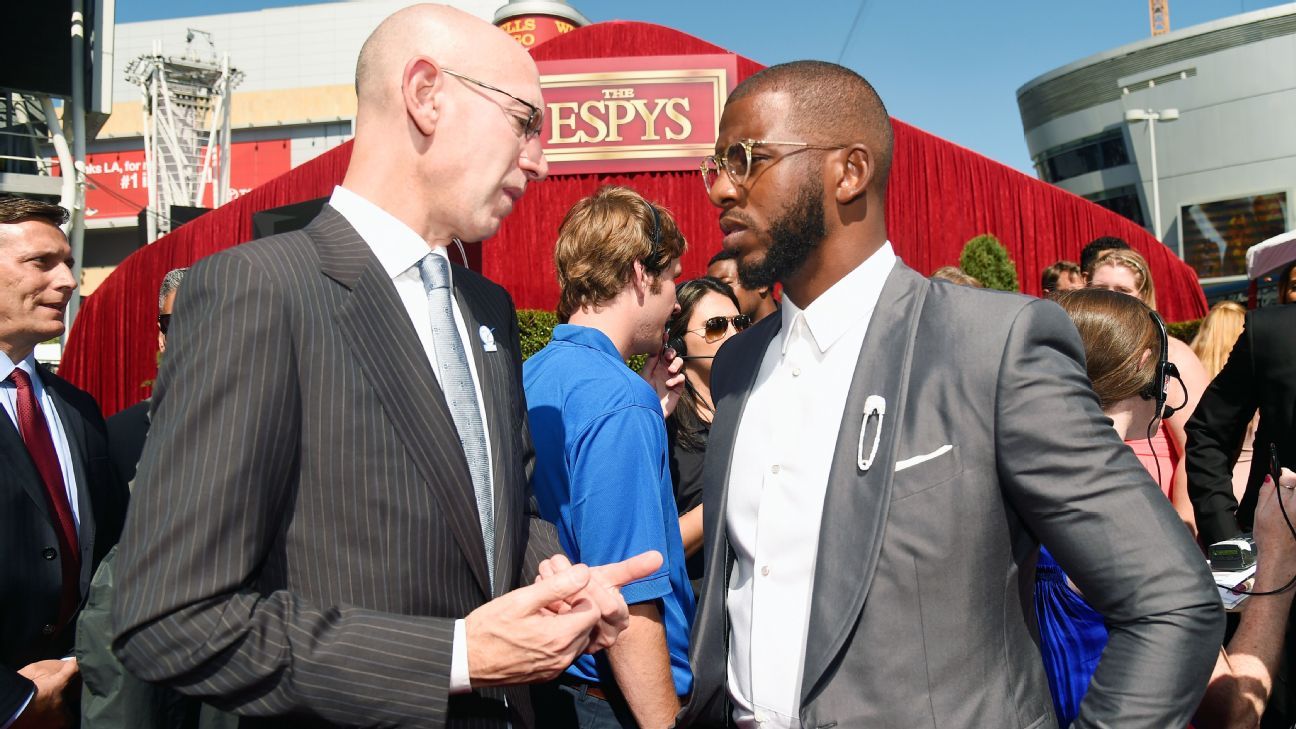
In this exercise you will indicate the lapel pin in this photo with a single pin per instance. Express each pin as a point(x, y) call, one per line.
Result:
point(874, 405)
point(487, 338)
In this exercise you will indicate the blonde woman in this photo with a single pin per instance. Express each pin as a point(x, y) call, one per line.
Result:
point(1215, 339)
point(1126, 272)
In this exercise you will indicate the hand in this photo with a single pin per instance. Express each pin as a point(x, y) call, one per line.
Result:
point(603, 591)
point(515, 639)
point(1275, 544)
point(664, 371)
point(46, 709)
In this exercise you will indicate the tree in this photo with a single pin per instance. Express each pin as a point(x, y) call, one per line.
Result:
point(985, 259)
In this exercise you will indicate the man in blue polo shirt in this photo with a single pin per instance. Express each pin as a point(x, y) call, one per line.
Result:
point(601, 471)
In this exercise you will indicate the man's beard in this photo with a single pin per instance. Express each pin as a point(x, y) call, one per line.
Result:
point(793, 236)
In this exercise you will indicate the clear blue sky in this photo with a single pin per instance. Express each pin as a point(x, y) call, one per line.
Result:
point(951, 67)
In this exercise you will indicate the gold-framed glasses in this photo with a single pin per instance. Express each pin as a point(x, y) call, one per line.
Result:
point(736, 160)
point(534, 122)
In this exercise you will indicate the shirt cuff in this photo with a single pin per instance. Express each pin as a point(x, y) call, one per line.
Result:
point(460, 681)
point(19, 712)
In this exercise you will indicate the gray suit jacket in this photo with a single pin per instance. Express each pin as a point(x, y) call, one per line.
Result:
point(922, 612)
point(304, 530)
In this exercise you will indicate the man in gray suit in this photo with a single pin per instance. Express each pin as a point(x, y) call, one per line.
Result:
point(332, 505)
point(887, 455)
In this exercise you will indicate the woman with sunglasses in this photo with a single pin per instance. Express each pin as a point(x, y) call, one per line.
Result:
point(708, 316)
point(1122, 347)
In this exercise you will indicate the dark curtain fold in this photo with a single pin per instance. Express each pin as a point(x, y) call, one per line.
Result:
point(940, 195)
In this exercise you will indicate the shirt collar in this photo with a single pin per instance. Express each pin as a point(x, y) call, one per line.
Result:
point(396, 245)
point(28, 365)
point(585, 337)
point(844, 304)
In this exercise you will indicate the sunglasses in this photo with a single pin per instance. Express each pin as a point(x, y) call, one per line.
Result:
point(736, 160)
point(164, 323)
point(531, 126)
point(713, 329)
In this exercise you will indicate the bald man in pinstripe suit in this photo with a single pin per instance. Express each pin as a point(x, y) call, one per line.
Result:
point(335, 485)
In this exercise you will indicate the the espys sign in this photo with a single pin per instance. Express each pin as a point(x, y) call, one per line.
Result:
point(653, 113)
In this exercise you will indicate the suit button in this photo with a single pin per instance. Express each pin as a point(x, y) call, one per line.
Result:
point(47, 629)
point(49, 553)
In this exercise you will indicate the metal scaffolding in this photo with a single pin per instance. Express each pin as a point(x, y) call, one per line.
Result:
point(186, 127)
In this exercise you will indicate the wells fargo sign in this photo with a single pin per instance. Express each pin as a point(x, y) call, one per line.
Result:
point(653, 113)
point(532, 30)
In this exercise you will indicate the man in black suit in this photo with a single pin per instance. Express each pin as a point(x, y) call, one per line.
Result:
point(332, 505)
point(1260, 374)
point(60, 505)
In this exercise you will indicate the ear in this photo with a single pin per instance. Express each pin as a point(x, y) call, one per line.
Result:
point(420, 86)
point(856, 174)
point(639, 279)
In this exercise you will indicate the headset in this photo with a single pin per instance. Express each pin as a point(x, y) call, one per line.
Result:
point(1165, 371)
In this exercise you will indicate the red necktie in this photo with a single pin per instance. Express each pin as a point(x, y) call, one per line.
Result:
point(36, 436)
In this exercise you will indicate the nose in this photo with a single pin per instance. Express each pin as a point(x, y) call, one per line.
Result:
point(63, 278)
point(723, 193)
point(532, 160)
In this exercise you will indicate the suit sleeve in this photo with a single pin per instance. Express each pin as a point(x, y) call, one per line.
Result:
point(15, 693)
point(201, 604)
point(1215, 435)
point(1084, 494)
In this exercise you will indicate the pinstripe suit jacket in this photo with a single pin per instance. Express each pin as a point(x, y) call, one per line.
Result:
point(304, 530)
point(31, 579)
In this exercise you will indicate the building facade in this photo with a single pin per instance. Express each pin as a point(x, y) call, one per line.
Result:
point(1225, 163)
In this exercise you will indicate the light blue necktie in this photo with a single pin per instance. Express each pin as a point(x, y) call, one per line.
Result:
point(460, 395)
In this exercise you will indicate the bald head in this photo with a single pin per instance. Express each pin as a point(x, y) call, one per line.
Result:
point(448, 36)
point(832, 100)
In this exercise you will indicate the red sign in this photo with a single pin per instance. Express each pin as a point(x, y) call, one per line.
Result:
point(532, 30)
point(650, 113)
point(119, 180)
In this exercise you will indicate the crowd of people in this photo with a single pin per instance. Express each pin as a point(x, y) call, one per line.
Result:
point(839, 493)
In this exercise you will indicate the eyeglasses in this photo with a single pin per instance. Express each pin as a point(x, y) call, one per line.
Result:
point(164, 322)
point(532, 127)
point(713, 329)
point(736, 160)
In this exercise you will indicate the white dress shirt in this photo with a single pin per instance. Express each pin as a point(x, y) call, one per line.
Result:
point(399, 249)
point(9, 401)
point(777, 482)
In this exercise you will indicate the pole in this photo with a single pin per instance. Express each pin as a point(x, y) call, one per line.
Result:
point(76, 238)
point(1156, 186)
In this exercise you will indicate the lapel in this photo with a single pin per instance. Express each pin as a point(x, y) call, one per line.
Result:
point(379, 333)
point(20, 469)
point(856, 505)
point(74, 428)
point(493, 369)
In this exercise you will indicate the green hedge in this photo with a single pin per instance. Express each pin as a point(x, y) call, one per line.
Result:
point(535, 328)
point(985, 259)
point(1184, 330)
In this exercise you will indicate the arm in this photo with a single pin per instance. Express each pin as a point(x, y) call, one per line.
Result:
point(1243, 679)
point(1196, 380)
point(690, 525)
point(641, 664)
point(1080, 486)
point(1215, 433)
point(617, 513)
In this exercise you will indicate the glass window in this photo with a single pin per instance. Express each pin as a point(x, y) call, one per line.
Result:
point(1216, 235)
point(1120, 200)
point(1088, 155)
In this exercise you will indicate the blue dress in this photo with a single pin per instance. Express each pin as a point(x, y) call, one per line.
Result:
point(1072, 637)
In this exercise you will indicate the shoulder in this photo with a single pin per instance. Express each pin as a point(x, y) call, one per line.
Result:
point(587, 381)
point(80, 400)
point(1272, 319)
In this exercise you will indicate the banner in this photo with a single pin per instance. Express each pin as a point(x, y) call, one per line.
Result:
point(642, 114)
point(118, 181)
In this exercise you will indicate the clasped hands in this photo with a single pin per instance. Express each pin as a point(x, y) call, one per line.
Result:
point(533, 633)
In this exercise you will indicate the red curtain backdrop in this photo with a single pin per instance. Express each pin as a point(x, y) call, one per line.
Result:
point(940, 195)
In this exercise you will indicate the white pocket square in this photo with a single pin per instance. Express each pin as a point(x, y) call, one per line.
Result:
point(910, 462)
